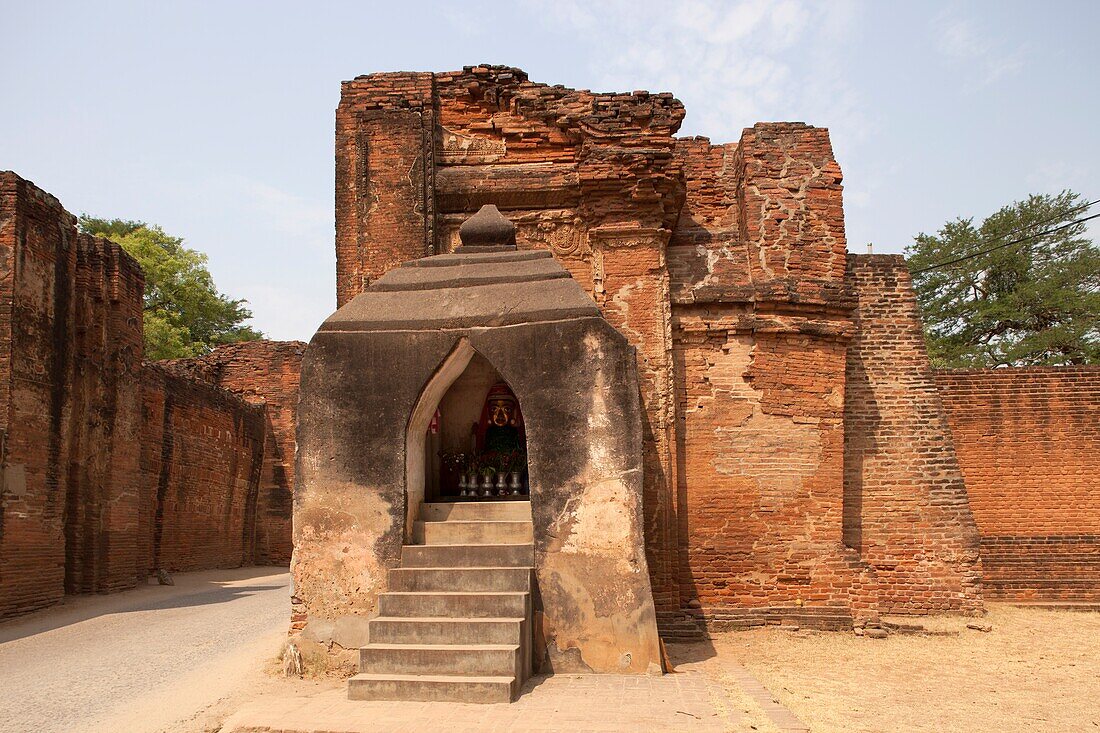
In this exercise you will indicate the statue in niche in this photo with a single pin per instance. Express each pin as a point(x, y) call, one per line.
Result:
point(500, 435)
point(500, 429)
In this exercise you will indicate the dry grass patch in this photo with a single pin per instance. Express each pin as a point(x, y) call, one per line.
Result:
point(1037, 670)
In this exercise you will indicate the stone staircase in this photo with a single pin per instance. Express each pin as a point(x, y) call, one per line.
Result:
point(455, 624)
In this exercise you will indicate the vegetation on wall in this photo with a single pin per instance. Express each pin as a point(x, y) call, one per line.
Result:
point(1022, 288)
point(184, 314)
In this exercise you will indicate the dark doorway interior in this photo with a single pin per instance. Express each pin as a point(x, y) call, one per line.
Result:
point(476, 444)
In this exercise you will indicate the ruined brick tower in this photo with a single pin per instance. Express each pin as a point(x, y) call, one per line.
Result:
point(796, 460)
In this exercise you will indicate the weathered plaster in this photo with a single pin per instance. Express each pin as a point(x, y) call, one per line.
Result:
point(372, 377)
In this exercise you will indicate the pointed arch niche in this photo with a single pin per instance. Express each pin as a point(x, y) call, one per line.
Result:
point(444, 424)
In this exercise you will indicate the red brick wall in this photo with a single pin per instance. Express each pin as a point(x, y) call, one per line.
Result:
point(1028, 441)
point(43, 260)
point(906, 508)
point(10, 186)
point(761, 320)
point(384, 144)
point(761, 459)
point(202, 452)
point(71, 338)
point(726, 266)
point(264, 373)
point(104, 486)
point(80, 460)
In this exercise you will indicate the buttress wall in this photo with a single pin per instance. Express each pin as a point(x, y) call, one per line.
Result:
point(906, 508)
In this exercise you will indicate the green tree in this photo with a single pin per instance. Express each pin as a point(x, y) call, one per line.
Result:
point(1032, 303)
point(184, 313)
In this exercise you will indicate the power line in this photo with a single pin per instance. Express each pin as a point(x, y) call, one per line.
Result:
point(1007, 244)
point(1067, 212)
point(1053, 217)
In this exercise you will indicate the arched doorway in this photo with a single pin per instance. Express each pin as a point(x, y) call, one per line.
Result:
point(476, 443)
point(466, 438)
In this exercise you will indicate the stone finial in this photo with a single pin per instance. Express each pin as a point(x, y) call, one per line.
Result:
point(488, 228)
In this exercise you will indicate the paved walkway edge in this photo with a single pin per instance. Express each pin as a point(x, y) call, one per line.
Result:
point(780, 715)
point(673, 703)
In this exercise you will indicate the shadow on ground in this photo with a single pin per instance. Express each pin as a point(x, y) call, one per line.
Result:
point(191, 589)
point(685, 652)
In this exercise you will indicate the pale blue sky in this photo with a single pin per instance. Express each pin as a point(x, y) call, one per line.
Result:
point(215, 119)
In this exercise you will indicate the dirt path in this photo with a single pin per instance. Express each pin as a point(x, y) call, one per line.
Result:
point(152, 659)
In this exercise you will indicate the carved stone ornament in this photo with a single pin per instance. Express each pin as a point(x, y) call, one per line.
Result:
point(627, 236)
point(561, 235)
point(462, 148)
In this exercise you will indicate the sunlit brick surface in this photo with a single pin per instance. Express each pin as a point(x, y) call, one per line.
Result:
point(1029, 444)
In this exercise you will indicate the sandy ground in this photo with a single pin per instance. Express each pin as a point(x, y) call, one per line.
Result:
point(157, 658)
point(182, 659)
point(1035, 671)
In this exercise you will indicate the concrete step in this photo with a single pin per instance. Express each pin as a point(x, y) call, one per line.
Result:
point(467, 556)
point(480, 660)
point(473, 532)
point(453, 605)
point(500, 511)
point(434, 630)
point(460, 579)
point(432, 688)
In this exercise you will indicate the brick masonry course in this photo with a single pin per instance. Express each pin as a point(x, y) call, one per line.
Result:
point(1028, 441)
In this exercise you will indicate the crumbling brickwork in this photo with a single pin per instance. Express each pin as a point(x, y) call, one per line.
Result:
point(906, 507)
point(761, 319)
point(724, 265)
point(263, 373)
point(1028, 441)
point(90, 438)
point(763, 219)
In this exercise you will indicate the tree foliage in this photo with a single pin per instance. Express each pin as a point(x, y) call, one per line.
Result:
point(1032, 303)
point(184, 313)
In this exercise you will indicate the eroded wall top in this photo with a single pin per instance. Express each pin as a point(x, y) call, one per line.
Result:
point(417, 152)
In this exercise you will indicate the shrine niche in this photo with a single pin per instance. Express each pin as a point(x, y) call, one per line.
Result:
point(476, 446)
point(500, 354)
